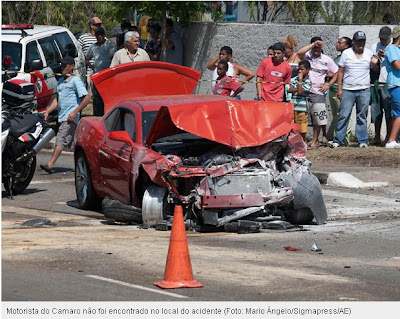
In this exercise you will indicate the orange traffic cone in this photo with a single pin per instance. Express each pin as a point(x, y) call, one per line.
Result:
point(178, 269)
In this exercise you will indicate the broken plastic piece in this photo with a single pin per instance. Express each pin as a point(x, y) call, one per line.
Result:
point(315, 247)
point(290, 248)
point(278, 224)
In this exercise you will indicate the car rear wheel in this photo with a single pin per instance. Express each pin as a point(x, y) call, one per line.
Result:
point(85, 193)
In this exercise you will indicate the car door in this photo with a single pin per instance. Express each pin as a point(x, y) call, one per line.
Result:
point(47, 77)
point(114, 155)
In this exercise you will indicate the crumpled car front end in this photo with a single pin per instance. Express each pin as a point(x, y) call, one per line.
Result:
point(217, 184)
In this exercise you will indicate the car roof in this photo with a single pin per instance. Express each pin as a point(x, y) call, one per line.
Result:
point(153, 103)
point(37, 31)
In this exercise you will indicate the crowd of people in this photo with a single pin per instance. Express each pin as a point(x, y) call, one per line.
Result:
point(358, 77)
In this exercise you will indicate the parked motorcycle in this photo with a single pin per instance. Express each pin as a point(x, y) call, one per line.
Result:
point(23, 134)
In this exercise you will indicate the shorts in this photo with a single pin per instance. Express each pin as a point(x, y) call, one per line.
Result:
point(318, 114)
point(301, 118)
point(65, 135)
point(395, 95)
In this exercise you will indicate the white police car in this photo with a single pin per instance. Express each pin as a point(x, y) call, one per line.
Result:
point(33, 53)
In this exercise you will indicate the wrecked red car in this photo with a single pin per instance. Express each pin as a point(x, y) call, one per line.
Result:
point(158, 145)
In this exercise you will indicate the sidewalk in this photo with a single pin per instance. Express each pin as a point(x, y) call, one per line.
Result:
point(367, 174)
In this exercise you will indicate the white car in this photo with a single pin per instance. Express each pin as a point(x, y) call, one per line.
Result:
point(33, 53)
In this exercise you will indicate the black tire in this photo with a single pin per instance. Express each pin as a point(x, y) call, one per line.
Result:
point(23, 182)
point(299, 216)
point(120, 212)
point(85, 193)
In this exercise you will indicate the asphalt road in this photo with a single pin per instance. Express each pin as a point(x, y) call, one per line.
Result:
point(83, 257)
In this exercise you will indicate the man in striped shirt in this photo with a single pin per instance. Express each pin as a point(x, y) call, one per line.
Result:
point(87, 39)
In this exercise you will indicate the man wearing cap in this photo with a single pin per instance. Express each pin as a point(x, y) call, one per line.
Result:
point(322, 66)
point(354, 87)
point(380, 97)
point(392, 61)
point(131, 52)
point(272, 75)
point(101, 53)
point(71, 100)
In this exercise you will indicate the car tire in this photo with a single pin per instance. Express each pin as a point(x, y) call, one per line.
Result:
point(299, 216)
point(23, 182)
point(85, 193)
point(120, 212)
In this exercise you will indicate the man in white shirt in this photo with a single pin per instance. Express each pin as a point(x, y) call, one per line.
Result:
point(131, 52)
point(354, 87)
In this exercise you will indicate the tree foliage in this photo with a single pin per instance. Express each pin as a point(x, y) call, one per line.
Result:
point(324, 11)
point(71, 14)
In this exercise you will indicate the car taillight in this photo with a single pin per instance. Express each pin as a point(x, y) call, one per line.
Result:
point(7, 61)
point(16, 26)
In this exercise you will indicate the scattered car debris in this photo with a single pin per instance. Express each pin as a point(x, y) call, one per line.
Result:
point(290, 248)
point(315, 246)
point(278, 224)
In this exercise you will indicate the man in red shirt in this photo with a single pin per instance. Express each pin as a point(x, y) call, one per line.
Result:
point(225, 84)
point(272, 75)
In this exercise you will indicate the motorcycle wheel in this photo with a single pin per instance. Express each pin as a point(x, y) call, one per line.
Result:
point(85, 193)
point(23, 182)
point(299, 216)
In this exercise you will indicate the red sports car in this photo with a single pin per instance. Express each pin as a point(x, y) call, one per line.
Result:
point(224, 160)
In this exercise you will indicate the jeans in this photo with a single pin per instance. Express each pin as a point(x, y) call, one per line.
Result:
point(361, 98)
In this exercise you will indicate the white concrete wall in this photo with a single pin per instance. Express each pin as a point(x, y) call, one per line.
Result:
point(249, 42)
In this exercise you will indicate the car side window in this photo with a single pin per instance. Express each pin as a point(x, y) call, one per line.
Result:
point(32, 53)
point(130, 125)
point(122, 120)
point(51, 53)
point(66, 44)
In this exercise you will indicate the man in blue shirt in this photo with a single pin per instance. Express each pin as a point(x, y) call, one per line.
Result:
point(72, 98)
point(392, 61)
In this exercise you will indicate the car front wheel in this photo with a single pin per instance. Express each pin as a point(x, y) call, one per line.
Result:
point(85, 193)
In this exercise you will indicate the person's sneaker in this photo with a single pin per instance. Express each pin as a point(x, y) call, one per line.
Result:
point(392, 144)
point(363, 145)
point(335, 145)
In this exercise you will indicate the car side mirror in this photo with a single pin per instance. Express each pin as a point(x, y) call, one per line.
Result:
point(121, 136)
point(34, 65)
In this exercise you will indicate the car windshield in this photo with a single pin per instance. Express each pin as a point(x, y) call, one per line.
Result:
point(14, 50)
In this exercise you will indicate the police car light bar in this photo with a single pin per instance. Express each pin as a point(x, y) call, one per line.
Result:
point(16, 26)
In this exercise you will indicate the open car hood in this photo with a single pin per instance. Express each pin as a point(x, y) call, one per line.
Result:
point(136, 79)
point(230, 122)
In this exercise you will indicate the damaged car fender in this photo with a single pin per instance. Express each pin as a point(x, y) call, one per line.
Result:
point(308, 202)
